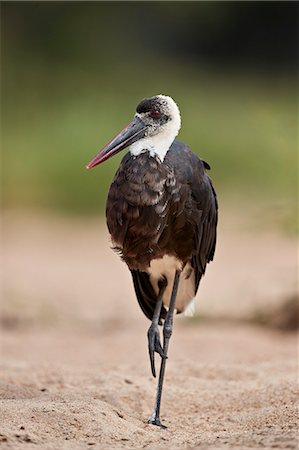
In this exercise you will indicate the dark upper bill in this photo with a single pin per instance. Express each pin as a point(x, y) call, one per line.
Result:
point(134, 131)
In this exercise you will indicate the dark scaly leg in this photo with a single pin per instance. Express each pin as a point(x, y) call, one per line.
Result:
point(153, 335)
point(167, 332)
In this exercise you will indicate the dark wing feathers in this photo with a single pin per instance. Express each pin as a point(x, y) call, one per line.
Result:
point(190, 169)
point(206, 165)
point(205, 238)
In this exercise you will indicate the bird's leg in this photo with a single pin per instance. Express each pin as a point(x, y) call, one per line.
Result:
point(153, 335)
point(167, 332)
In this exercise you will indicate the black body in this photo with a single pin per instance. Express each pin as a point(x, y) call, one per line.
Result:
point(156, 208)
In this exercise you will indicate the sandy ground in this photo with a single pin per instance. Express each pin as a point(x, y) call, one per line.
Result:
point(74, 366)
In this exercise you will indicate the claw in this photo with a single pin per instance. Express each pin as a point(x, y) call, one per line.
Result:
point(154, 345)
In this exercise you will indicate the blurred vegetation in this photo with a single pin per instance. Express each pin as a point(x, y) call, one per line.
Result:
point(73, 74)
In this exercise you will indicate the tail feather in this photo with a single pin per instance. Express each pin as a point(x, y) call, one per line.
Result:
point(146, 296)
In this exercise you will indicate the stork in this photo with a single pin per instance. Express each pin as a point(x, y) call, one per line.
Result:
point(162, 217)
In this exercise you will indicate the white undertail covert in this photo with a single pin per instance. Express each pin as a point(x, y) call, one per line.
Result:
point(167, 266)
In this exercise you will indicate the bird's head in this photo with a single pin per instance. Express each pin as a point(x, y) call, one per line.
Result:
point(154, 127)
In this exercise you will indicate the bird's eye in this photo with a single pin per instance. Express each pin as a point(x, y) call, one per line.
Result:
point(155, 114)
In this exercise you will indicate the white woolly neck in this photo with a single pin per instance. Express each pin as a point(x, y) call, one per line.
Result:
point(156, 145)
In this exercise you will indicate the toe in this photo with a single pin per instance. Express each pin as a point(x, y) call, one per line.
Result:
point(158, 346)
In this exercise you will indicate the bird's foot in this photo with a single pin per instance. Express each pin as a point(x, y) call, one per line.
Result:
point(154, 345)
point(153, 420)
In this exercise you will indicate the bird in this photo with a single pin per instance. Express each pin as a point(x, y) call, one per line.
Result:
point(162, 214)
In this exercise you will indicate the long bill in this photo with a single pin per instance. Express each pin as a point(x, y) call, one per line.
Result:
point(134, 131)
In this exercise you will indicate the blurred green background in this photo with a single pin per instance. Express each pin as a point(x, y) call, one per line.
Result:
point(73, 73)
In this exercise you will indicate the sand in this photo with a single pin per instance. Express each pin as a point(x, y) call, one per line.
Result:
point(74, 365)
